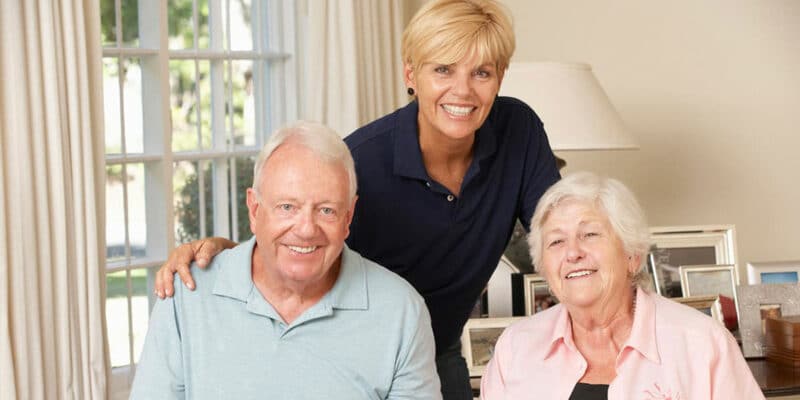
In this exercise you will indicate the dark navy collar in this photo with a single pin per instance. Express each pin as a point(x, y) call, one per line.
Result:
point(408, 156)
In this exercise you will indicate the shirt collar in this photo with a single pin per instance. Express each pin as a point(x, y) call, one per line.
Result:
point(407, 154)
point(643, 332)
point(642, 337)
point(561, 333)
point(235, 280)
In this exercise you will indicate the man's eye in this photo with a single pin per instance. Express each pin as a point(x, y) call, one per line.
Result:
point(592, 234)
point(555, 242)
point(285, 207)
point(327, 211)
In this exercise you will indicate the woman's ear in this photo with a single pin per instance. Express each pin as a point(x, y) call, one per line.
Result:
point(408, 76)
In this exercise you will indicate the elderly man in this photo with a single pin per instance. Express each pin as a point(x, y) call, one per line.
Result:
point(293, 313)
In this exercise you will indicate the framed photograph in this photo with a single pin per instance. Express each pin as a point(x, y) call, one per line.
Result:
point(709, 305)
point(711, 280)
point(773, 272)
point(478, 340)
point(537, 294)
point(756, 303)
point(688, 245)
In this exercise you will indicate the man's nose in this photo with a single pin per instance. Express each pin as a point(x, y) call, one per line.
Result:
point(306, 225)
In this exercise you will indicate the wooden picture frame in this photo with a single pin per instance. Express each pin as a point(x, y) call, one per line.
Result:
point(688, 245)
point(709, 305)
point(773, 272)
point(478, 340)
point(537, 294)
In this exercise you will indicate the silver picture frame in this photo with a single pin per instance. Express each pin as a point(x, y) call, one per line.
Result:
point(674, 246)
point(756, 302)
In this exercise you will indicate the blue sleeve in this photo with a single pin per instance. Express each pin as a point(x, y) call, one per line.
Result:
point(540, 172)
point(415, 376)
point(159, 374)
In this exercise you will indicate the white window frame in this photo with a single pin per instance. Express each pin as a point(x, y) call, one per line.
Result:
point(276, 45)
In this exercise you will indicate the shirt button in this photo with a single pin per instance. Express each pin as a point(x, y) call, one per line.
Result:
point(428, 184)
point(450, 197)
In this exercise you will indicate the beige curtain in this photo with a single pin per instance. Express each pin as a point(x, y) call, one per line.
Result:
point(51, 201)
point(354, 66)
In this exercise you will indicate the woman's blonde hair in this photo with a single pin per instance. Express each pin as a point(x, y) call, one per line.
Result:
point(446, 31)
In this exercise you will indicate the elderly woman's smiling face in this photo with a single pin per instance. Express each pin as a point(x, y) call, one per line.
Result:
point(583, 259)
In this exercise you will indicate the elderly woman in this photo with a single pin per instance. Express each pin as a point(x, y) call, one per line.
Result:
point(442, 180)
point(610, 337)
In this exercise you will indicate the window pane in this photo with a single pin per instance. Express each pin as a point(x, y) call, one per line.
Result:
point(130, 23)
point(117, 318)
point(183, 101)
point(241, 29)
point(194, 209)
point(115, 213)
point(244, 179)
point(242, 102)
point(142, 286)
point(111, 105)
point(203, 37)
point(108, 23)
point(137, 217)
point(204, 85)
point(132, 95)
point(181, 24)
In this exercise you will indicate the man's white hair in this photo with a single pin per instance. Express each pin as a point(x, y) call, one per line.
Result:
point(320, 139)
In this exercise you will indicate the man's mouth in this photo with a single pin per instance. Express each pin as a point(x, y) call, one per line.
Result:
point(302, 250)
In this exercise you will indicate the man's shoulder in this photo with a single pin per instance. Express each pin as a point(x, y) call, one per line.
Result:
point(224, 265)
point(384, 285)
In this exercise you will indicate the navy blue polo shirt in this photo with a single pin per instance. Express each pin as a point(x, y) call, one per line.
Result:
point(447, 246)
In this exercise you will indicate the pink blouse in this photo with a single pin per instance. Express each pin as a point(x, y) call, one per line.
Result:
point(674, 353)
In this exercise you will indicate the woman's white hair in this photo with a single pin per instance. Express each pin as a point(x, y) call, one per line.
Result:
point(320, 139)
point(610, 196)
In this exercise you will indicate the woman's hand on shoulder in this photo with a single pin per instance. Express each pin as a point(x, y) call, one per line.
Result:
point(202, 251)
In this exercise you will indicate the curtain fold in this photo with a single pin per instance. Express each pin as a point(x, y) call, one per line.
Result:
point(354, 68)
point(51, 201)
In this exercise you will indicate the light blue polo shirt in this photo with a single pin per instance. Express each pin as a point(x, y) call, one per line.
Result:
point(368, 338)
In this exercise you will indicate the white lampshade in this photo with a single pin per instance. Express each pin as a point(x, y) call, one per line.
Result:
point(575, 110)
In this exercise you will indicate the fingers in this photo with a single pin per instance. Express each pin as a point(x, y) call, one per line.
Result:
point(183, 256)
point(208, 248)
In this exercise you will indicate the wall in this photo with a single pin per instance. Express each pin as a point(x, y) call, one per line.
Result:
point(712, 90)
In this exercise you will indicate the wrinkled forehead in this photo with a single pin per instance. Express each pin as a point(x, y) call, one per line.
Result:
point(574, 210)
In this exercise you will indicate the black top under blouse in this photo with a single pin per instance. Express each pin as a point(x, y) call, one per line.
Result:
point(586, 391)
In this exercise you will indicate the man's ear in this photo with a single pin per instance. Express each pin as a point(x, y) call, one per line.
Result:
point(252, 208)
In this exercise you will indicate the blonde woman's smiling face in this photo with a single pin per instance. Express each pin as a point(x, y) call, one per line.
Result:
point(454, 99)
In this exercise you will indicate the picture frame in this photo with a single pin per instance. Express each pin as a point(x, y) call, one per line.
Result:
point(773, 272)
point(478, 340)
point(674, 246)
point(756, 302)
point(709, 305)
point(537, 294)
point(711, 280)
